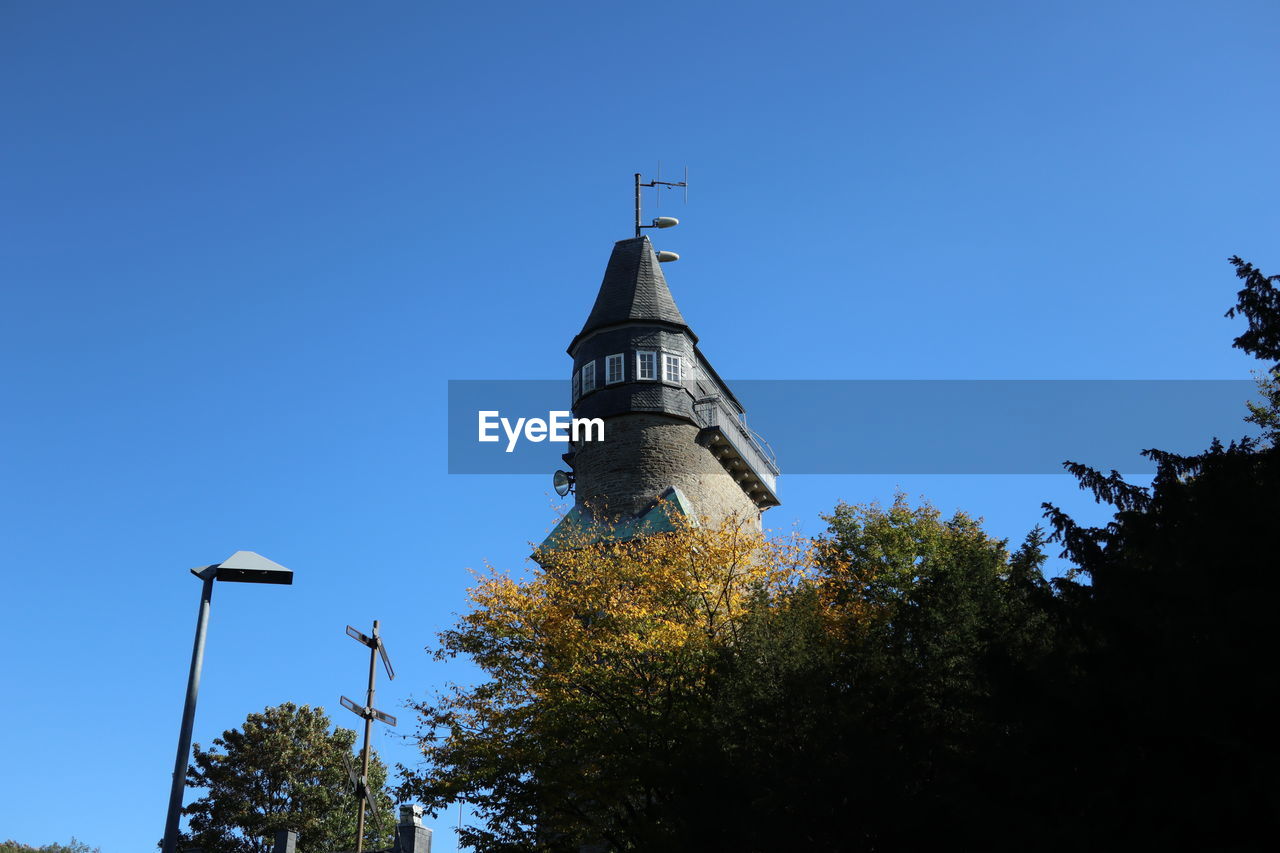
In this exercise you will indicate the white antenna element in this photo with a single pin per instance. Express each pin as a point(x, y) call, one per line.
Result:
point(667, 257)
point(665, 222)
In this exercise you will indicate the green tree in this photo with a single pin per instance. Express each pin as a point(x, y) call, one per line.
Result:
point(879, 705)
point(73, 847)
point(706, 689)
point(1259, 303)
point(1169, 724)
point(283, 769)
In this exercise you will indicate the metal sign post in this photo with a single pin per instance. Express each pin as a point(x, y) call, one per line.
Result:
point(369, 713)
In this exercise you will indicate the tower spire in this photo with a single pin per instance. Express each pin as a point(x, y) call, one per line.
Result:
point(672, 434)
point(633, 290)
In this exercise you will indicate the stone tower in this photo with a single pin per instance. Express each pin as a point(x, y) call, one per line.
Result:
point(673, 431)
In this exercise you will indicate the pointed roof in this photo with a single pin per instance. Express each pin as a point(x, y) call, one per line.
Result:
point(633, 289)
point(578, 527)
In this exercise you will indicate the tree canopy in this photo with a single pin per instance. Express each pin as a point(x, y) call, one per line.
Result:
point(72, 847)
point(282, 769)
point(904, 681)
point(1173, 612)
point(596, 665)
point(712, 687)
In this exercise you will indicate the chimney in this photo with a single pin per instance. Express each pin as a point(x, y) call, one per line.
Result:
point(286, 841)
point(411, 835)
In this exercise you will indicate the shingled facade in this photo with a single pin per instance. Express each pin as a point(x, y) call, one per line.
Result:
point(674, 432)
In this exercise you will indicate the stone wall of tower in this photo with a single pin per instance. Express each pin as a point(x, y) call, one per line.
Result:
point(643, 454)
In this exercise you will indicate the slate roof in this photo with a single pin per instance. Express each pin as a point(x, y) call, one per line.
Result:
point(633, 289)
point(658, 518)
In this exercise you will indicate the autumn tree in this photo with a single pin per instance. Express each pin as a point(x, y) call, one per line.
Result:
point(712, 689)
point(282, 769)
point(598, 668)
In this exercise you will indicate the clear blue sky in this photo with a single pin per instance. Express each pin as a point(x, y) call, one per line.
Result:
point(244, 245)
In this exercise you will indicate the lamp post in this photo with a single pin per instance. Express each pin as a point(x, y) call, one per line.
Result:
point(240, 567)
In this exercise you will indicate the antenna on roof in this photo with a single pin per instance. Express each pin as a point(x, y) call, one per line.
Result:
point(658, 184)
point(657, 192)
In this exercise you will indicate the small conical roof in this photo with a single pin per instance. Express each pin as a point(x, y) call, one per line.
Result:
point(633, 289)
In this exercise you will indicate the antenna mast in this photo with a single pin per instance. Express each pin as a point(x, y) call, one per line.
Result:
point(659, 184)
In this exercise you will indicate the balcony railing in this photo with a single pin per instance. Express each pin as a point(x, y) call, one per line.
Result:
point(712, 411)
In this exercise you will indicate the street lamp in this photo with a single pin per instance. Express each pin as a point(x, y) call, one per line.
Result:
point(240, 567)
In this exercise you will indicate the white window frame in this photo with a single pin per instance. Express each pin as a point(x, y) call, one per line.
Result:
point(577, 386)
point(610, 362)
point(640, 371)
point(679, 365)
point(589, 377)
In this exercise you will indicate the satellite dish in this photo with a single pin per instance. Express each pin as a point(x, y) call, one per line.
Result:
point(563, 482)
point(666, 222)
point(667, 257)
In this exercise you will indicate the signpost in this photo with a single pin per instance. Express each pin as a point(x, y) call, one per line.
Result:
point(369, 713)
point(361, 790)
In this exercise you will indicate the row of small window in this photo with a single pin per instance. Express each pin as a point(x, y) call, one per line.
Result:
point(646, 370)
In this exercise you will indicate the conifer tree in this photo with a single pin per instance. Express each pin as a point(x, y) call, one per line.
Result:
point(1171, 732)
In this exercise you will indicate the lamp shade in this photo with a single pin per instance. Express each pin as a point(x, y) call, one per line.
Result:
point(248, 567)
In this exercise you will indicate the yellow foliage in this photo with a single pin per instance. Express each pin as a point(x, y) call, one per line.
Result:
point(599, 606)
point(616, 652)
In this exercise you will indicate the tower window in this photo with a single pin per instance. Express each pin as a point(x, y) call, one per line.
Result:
point(577, 386)
point(646, 365)
point(588, 377)
point(672, 369)
point(613, 369)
